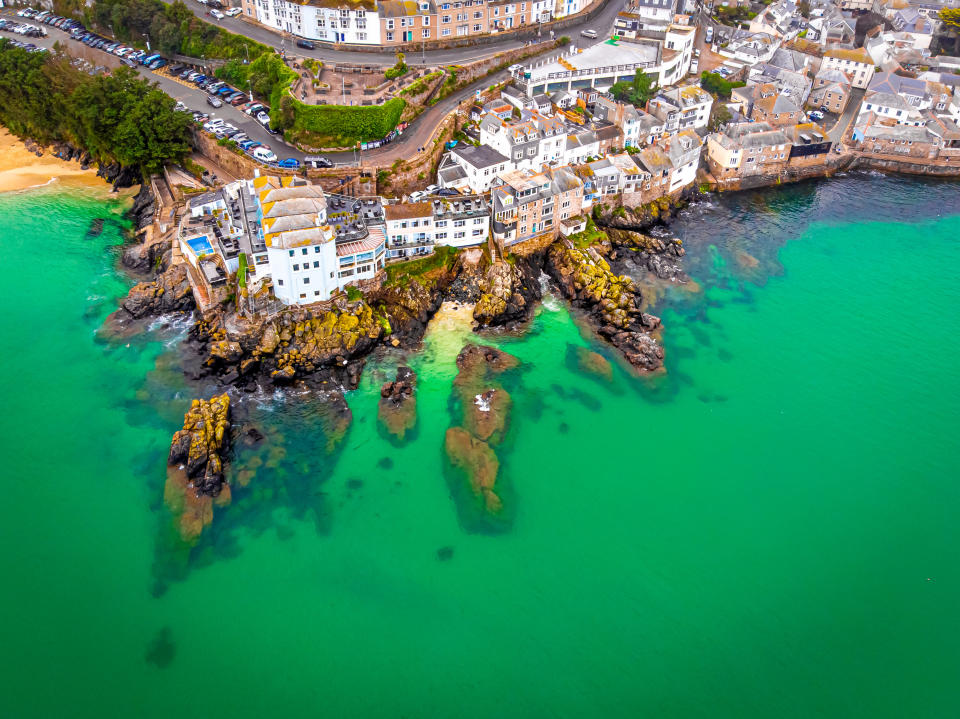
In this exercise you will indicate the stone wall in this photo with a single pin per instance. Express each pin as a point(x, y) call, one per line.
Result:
point(866, 162)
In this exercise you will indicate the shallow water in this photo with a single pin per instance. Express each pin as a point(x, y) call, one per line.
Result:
point(769, 529)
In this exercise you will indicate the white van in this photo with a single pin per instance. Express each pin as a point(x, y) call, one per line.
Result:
point(264, 154)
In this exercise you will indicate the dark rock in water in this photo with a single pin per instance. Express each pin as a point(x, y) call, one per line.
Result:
point(171, 292)
point(589, 362)
point(445, 554)
point(354, 483)
point(385, 463)
point(161, 650)
point(254, 434)
point(397, 410)
point(96, 228)
point(564, 428)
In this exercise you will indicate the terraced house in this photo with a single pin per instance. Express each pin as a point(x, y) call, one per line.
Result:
point(399, 22)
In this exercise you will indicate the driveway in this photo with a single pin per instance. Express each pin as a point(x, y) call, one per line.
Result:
point(850, 112)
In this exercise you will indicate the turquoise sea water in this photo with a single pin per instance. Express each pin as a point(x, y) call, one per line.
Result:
point(770, 529)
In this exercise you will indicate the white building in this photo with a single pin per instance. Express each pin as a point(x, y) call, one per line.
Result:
point(682, 108)
point(856, 63)
point(530, 143)
point(332, 24)
point(472, 166)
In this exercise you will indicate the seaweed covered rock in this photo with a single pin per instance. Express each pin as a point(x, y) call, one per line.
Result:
point(200, 445)
point(397, 410)
point(611, 302)
point(170, 292)
point(484, 406)
point(335, 419)
point(195, 481)
point(507, 294)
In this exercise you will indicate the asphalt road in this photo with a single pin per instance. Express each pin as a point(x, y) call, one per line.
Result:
point(415, 56)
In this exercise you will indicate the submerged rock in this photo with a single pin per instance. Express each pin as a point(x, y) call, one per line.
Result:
point(591, 362)
point(397, 410)
point(484, 406)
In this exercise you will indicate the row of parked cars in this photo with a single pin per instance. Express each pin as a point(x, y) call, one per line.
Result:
point(24, 29)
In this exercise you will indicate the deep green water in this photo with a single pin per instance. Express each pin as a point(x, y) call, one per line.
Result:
point(770, 530)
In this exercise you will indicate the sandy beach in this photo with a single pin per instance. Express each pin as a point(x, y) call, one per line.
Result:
point(20, 169)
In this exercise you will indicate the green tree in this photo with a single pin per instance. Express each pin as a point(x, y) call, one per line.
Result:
point(637, 92)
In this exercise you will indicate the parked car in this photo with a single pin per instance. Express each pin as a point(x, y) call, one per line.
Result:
point(216, 14)
point(291, 163)
point(694, 66)
point(264, 154)
point(247, 145)
point(214, 101)
point(589, 33)
point(239, 99)
point(816, 115)
point(253, 108)
point(306, 45)
point(233, 12)
point(824, 108)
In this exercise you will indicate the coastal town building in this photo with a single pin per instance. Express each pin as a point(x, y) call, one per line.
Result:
point(745, 149)
point(526, 204)
point(399, 23)
point(471, 166)
point(682, 108)
point(856, 63)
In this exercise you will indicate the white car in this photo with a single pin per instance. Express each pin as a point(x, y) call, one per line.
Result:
point(816, 115)
point(592, 34)
point(217, 15)
point(213, 123)
point(233, 12)
point(264, 154)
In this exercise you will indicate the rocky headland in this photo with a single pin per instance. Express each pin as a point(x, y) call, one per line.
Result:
point(611, 302)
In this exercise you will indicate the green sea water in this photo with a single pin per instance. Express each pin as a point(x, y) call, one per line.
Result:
point(770, 529)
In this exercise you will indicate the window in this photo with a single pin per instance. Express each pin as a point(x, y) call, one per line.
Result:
point(458, 235)
point(441, 235)
point(477, 28)
point(280, 282)
point(316, 293)
point(303, 295)
point(426, 32)
point(316, 264)
point(304, 251)
point(316, 249)
point(477, 221)
point(389, 37)
point(441, 223)
point(306, 280)
point(459, 223)
point(445, 19)
point(296, 267)
point(477, 15)
point(389, 24)
point(446, 31)
point(291, 253)
point(426, 21)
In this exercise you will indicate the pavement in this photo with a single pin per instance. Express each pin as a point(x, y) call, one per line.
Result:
point(385, 55)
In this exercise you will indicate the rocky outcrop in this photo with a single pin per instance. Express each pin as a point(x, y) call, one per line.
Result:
point(170, 292)
point(200, 445)
point(144, 204)
point(611, 302)
point(639, 252)
point(397, 410)
point(621, 213)
point(484, 405)
point(195, 481)
point(508, 293)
